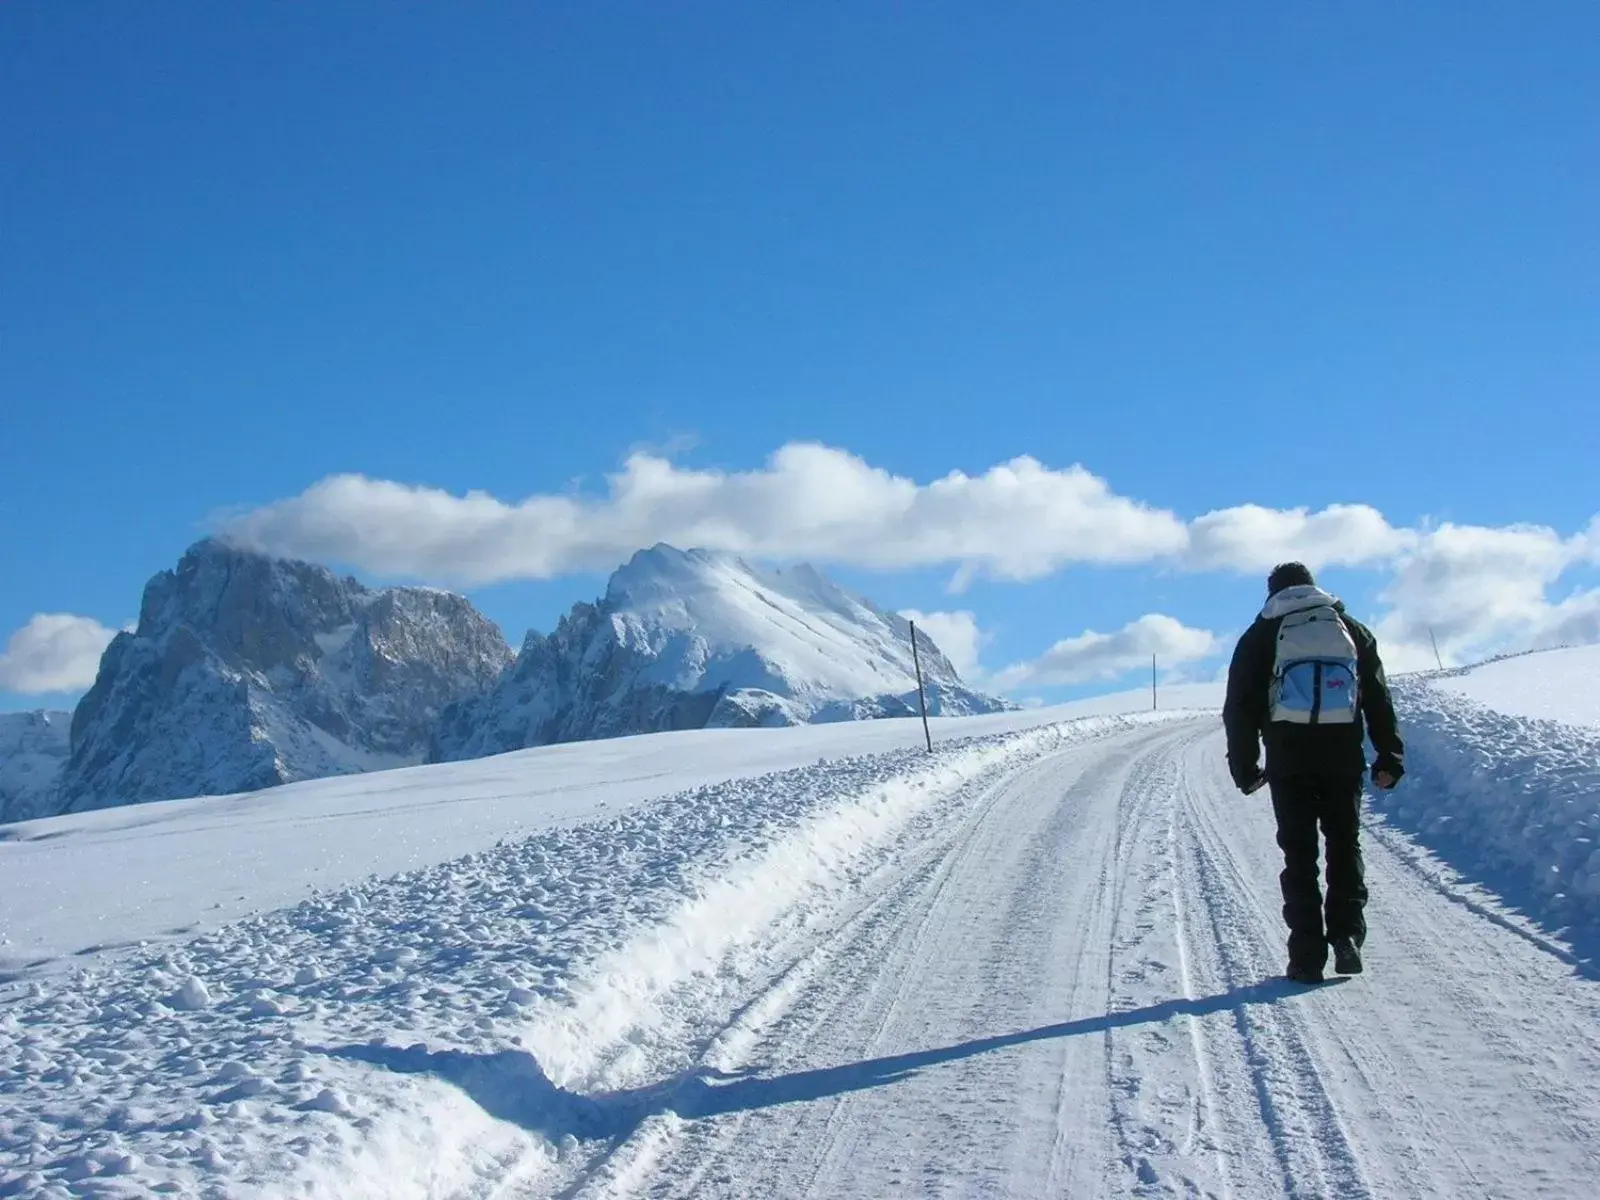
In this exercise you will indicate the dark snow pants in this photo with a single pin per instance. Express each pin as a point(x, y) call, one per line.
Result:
point(1301, 803)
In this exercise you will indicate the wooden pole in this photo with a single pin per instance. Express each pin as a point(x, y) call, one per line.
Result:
point(922, 697)
point(1435, 642)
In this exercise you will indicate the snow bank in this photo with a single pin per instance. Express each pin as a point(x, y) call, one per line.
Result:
point(1510, 801)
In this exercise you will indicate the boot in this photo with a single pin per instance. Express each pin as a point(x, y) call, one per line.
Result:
point(1302, 973)
point(1346, 956)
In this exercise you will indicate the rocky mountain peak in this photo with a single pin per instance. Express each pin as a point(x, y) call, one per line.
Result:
point(252, 606)
point(247, 670)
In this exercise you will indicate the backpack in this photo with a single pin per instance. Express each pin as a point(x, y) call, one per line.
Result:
point(1314, 676)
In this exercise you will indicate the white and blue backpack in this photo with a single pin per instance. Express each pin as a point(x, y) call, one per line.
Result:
point(1314, 679)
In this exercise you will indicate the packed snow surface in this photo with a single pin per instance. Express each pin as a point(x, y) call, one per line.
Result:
point(1043, 960)
point(1548, 685)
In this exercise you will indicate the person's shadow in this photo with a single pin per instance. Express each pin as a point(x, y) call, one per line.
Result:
point(511, 1086)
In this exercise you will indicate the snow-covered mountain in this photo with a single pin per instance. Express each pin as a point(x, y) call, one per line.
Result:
point(33, 752)
point(247, 671)
point(693, 639)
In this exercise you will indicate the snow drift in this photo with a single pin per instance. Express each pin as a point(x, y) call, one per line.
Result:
point(1511, 801)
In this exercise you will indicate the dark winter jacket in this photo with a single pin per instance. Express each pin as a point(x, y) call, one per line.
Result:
point(1305, 749)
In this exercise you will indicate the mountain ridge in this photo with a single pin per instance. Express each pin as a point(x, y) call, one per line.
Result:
point(245, 671)
point(686, 639)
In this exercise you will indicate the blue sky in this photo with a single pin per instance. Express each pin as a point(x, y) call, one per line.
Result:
point(1288, 256)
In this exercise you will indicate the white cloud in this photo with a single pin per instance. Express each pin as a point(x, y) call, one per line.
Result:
point(1574, 621)
point(1588, 542)
point(1401, 656)
point(1252, 538)
point(53, 652)
point(1095, 656)
point(1478, 590)
point(958, 635)
point(1018, 520)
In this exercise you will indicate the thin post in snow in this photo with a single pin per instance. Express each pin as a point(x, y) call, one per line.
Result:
point(1152, 683)
point(922, 697)
point(1435, 642)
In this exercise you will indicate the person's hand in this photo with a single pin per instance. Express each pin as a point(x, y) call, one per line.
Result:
point(1384, 780)
point(1251, 786)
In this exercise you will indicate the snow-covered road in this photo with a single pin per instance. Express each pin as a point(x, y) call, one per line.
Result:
point(1071, 992)
point(1037, 964)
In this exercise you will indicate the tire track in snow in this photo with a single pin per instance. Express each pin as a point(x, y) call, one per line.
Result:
point(922, 900)
point(1206, 1109)
point(1136, 974)
point(922, 876)
point(1163, 1108)
point(899, 922)
point(1020, 904)
point(1069, 835)
point(916, 909)
point(1301, 1121)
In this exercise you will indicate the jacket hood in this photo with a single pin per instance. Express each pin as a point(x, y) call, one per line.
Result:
point(1293, 599)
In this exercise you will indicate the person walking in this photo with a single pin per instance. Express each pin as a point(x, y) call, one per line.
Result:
point(1306, 680)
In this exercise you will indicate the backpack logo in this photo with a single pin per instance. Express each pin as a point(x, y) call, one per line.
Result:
point(1314, 676)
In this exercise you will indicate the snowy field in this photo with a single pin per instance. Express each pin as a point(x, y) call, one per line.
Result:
point(1548, 685)
point(817, 961)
